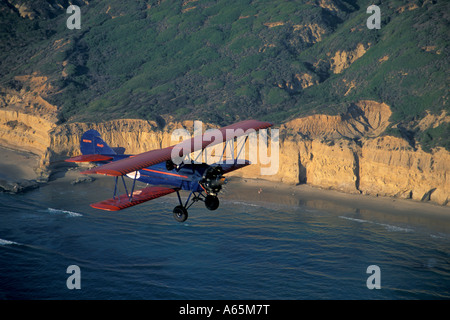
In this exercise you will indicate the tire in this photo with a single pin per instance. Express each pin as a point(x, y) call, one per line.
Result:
point(180, 213)
point(211, 202)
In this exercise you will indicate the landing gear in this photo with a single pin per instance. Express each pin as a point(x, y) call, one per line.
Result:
point(211, 202)
point(180, 213)
point(211, 183)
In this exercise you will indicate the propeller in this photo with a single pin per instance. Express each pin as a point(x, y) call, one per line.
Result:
point(213, 180)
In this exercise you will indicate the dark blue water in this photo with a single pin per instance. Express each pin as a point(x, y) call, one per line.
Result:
point(250, 248)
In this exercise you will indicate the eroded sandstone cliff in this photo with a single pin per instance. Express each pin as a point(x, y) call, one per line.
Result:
point(346, 152)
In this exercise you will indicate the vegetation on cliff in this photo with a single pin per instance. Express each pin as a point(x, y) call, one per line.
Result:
point(225, 60)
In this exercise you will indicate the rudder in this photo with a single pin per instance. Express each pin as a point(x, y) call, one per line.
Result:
point(92, 143)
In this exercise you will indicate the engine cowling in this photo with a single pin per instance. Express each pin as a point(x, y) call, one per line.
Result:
point(213, 180)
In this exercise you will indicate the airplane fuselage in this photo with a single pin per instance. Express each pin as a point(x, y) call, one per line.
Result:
point(186, 177)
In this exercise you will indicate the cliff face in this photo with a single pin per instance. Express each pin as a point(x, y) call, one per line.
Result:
point(26, 118)
point(134, 135)
point(385, 166)
point(362, 119)
point(344, 152)
point(390, 167)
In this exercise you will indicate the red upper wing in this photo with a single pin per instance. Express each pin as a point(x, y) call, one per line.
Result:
point(149, 158)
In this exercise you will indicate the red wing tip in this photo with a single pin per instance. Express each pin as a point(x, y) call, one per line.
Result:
point(105, 207)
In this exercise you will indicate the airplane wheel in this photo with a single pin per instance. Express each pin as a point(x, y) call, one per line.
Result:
point(211, 202)
point(180, 213)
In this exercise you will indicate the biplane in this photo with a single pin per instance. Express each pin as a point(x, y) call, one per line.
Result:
point(157, 169)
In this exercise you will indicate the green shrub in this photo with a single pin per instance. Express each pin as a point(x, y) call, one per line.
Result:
point(276, 96)
point(434, 137)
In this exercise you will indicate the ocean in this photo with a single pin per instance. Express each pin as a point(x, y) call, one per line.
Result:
point(271, 245)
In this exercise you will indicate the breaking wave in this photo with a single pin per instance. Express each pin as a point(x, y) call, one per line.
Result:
point(245, 203)
point(4, 242)
point(387, 226)
point(68, 213)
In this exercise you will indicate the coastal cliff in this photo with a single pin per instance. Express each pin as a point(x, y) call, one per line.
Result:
point(346, 152)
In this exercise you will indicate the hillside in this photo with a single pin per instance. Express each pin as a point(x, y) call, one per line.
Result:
point(221, 61)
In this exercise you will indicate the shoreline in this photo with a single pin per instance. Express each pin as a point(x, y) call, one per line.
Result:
point(258, 190)
point(352, 199)
point(403, 215)
point(338, 201)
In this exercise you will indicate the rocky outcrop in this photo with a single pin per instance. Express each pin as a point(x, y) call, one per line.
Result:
point(343, 59)
point(39, 9)
point(27, 118)
point(310, 33)
point(18, 186)
point(362, 119)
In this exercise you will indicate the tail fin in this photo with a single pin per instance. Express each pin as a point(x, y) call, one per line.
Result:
point(92, 143)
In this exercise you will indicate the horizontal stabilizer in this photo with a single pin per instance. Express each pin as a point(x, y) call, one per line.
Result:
point(139, 196)
point(89, 158)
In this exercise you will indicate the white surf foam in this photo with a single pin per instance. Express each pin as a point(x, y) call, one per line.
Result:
point(245, 204)
point(395, 228)
point(4, 242)
point(388, 227)
point(68, 213)
point(354, 219)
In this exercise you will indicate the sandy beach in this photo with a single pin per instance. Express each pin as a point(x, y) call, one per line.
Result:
point(309, 195)
point(17, 165)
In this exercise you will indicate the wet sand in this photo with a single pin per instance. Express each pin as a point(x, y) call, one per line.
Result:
point(358, 206)
point(16, 165)
point(306, 194)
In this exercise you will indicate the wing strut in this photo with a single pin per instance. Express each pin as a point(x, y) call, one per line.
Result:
point(132, 198)
point(197, 196)
point(129, 195)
